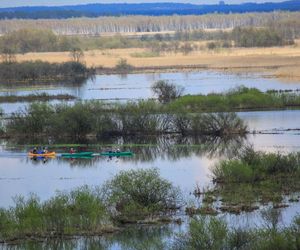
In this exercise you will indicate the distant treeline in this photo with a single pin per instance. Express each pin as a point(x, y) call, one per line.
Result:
point(42, 71)
point(27, 40)
point(97, 26)
point(153, 9)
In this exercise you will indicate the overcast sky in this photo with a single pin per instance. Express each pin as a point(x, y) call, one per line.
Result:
point(15, 3)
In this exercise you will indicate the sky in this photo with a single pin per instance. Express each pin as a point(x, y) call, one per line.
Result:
point(16, 3)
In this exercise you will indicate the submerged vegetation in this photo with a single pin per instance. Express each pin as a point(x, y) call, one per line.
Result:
point(86, 211)
point(42, 71)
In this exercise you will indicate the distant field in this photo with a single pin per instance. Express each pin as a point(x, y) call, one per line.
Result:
point(282, 61)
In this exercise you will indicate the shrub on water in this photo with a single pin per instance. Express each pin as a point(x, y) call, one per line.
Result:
point(143, 190)
point(88, 211)
point(28, 214)
point(34, 120)
point(74, 121)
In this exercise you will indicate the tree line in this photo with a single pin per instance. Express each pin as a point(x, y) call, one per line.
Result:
point(98, 26)
point(28, 40)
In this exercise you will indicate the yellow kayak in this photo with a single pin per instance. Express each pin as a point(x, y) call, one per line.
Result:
point(50, 154)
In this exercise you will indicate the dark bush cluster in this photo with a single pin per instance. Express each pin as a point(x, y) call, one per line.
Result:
point(93, 118)
point(42, 71)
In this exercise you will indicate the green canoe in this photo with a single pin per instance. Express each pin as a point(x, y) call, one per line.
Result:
point(77, 155)
point(124, 153)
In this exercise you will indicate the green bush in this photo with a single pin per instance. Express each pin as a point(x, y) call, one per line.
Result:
point(138, 194)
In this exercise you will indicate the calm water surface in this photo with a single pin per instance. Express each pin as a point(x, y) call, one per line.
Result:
point(137, 86)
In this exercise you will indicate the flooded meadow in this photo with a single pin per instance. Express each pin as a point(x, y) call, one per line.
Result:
point(185, 161)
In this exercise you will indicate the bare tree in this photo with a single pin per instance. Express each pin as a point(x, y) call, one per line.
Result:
point(166, 91)
point(8, 55)
point(76, 55)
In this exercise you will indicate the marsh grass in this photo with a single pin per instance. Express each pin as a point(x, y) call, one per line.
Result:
point(254, 166)
point(240, 98)
point(79, 212)
point(254, 178)
point(214, 233)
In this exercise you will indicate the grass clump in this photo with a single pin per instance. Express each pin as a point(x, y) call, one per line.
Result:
point(80, 212)
point(141, 194)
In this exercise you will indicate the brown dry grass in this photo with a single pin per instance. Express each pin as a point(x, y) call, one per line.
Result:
point(283, 61)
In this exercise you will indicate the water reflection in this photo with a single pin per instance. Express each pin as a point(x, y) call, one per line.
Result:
point(132, 237)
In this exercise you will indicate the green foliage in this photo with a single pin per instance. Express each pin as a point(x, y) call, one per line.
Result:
point(236, 99)
point(251, 166)
point(138, 194)
point(94, 118)
point(79, 212)
point(257, 37)
point(213, 233)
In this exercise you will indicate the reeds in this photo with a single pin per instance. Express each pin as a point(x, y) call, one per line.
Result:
point(214, 233)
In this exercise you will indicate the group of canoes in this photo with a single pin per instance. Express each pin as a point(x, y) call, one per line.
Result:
point(74, 154)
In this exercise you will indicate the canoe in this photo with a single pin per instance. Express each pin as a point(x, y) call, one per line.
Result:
point(78, 157)
point(124, 153)
point(50, 154)
point(79, 154)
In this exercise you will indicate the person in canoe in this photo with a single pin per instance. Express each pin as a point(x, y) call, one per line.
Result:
point(72, 151)
point(34, 151)
point(45, 150)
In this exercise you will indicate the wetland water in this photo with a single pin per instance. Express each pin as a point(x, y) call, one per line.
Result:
point(137, 86)
point(183, 162)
